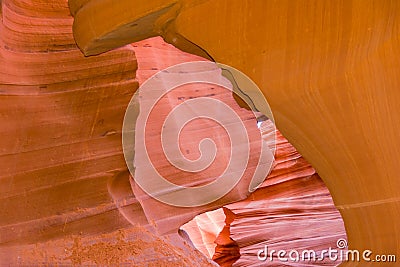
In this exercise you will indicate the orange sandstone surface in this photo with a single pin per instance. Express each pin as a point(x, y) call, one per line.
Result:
point(66, 194)
point(329, 70)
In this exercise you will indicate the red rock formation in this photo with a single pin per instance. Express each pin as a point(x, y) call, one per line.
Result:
point(167, 217)
point(63, 171)
point(61, 117)
point(292, 209)
point(329, 70)
point(227, 250)
point(64, 186)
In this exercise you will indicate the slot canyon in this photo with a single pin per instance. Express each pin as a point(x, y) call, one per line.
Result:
point(78, 76)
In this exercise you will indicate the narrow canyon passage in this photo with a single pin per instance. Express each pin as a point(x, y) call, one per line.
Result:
point(66, 194)
point(292, 209)
point(329, 70)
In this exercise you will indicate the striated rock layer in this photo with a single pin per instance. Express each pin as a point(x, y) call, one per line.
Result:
point(292, 209)
point(61, 117)
point(66, 196)
point(62, 186)
point(152, 155)
point(329, 70)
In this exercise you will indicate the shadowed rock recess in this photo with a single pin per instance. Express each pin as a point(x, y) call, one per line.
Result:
point(66, 196)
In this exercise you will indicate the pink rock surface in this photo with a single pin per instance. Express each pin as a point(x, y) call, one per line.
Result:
point(61, 115)
point(167, 217)
point(65, 192)
point(63, 197)
point(292, 209)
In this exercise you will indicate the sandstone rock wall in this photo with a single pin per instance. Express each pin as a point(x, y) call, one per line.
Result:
point(61, 113)
point(329, 70)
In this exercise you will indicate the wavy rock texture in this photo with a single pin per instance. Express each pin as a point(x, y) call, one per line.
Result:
point(329, 70)
point(63, 182)
point(292, 209)
point(61, 117)
point(66, 196)
point(166, 217)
